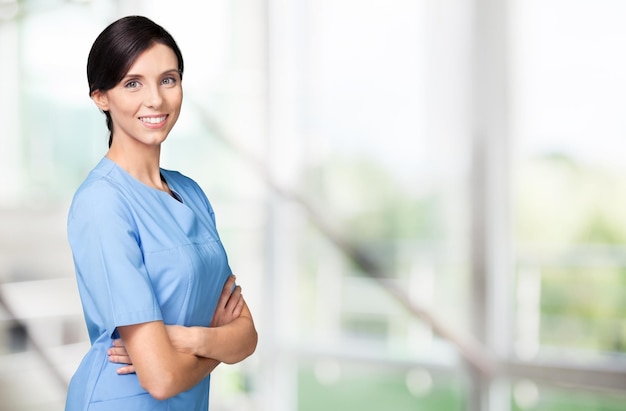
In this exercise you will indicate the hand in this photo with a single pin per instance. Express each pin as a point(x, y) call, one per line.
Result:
point(118, 354)
point(229, 305)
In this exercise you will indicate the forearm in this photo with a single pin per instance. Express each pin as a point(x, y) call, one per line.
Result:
point(162, 370)
point(184, 372)
point(193, 368)
point(229, 343)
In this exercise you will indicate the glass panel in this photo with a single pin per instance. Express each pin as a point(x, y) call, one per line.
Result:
point(382, 171)
point(567, 96)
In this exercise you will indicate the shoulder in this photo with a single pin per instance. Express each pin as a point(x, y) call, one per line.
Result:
point(100, 210)
point(100, 193)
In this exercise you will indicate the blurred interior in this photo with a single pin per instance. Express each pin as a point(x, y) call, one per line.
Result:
point(422, 199)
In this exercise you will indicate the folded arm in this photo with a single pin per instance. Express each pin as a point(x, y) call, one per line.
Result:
point(231, 338)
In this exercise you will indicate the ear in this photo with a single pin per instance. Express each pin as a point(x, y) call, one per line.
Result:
point(101, 100)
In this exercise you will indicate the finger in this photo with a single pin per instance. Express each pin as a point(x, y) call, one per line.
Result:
point(128, 369)
point(118, 343)
point(117, 351)
point(238, 308)
point(234, 299)
point(227, 291)
point(120, 359)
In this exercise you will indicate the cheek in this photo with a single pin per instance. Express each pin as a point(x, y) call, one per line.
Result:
point(126, 108)
point(179, 99)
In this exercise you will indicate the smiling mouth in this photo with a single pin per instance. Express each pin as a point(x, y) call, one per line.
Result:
point(153, 120)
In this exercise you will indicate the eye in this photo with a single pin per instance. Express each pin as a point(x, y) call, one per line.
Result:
point(132, 84)
point(169, 81)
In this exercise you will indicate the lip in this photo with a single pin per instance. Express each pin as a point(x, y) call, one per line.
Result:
point(154, 121)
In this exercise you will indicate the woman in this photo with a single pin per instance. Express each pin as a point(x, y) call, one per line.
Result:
point(154, 280)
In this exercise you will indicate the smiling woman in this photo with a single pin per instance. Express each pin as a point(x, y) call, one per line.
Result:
point(112, 57)
point(144, 105)
point(157, 291)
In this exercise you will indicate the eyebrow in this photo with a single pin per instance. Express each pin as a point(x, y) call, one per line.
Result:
point(130, 75)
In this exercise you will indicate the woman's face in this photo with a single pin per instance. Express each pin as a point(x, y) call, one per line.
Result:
point(145, 105)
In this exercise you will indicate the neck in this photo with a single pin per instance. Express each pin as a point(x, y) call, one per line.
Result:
point(141, 163)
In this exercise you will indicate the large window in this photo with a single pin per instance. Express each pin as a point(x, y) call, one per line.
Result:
point(409, 191)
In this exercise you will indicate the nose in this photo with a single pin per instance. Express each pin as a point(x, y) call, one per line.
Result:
point(153, 97)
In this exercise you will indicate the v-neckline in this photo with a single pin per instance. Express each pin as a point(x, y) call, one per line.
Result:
point(172, 193)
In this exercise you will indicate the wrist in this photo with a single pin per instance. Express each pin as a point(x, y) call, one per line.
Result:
point(197, 340)
point(204, 341)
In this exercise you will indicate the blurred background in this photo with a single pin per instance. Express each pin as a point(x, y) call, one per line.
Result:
point(422, 199)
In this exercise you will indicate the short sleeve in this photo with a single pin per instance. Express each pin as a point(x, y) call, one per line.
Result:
point(112, 279)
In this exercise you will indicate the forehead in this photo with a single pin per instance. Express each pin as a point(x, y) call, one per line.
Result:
point(156, 59)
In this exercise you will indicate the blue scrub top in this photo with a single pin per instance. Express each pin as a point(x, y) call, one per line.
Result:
point(140, 255)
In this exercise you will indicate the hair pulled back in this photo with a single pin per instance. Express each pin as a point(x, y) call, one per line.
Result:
point(115, 50)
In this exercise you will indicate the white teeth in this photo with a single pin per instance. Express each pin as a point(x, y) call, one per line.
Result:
point(152, 120)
